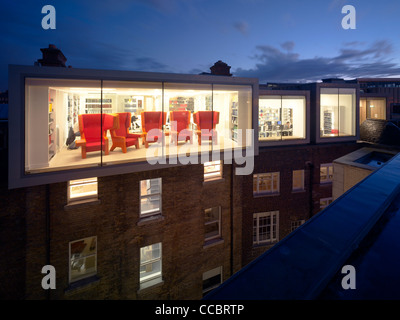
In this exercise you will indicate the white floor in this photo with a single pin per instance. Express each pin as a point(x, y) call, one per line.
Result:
point(71, 159)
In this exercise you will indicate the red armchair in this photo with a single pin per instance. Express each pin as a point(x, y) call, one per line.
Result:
point(180, 121)
point(206, 122)
point(152, 123)
point(120, 133)
point(93, 128)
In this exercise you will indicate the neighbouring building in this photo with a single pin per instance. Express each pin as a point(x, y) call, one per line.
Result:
point(127, 182)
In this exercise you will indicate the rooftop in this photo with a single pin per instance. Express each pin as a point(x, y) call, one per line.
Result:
point(360, 228)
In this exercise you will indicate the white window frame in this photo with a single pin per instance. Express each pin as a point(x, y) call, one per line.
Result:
point(210, 274)
point(218, 220)
point(153, 279)
point(258, 177)
point(302, 180)
point(70, 260)
point(148, 196)
point(329, 172)
point(327, 200)
point(215, 171)
point(84, 196)
point(256, 227)
point(294, 224)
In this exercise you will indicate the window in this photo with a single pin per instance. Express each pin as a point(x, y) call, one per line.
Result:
point(372, 108)
point(326, 173)
point(211, 279)
point(150, 265)
point(265, 227)
point(266, 183)
point(298, 180)
point(212, 223)
point(82, 189)
point(150, 197)
point(337, 112)
point(323, 203)
point(282, 118)
point(295, 224)
point(82, 258)
point(212, 170)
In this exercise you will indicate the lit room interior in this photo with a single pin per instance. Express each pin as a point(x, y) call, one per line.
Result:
point(68, 122)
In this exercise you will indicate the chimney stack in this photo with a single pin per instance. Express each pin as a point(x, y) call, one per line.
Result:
point(221, 69)
point(52, 57)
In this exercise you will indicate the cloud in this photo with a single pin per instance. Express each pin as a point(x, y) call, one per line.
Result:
point(354, 60)
point(242, 27)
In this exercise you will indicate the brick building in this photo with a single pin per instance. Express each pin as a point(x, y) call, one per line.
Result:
point(116, 227)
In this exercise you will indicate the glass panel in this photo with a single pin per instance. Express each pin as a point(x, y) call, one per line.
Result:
point(234, 105)
point(298, 181)
point(211, 230)
point(329, 112)
point(212, 214)
point(212, 169)
point(269, 120)
point(150, 205)
point(60, 132)
point(196, 99)
point(132, 101)
point(293, 117)
point(375, 108)
point(323, 174)
point(83, 258)
point(347, 114)
point(83, 188)
point(150, 186)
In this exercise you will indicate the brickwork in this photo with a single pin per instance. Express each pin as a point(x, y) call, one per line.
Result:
point(292, 205)
point(115, 222)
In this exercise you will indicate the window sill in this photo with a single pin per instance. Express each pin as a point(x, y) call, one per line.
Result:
point(212, 181)
point(328, 183)
point(212, 243)
point(81, 203)
point(148, 285)
point(150, 219)
point(299, 191)
point(264, 244)
point(82, 284)
point(266, 195)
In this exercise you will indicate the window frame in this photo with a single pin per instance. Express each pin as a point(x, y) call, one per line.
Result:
point(328, 180)
point(256, 228)
point(328, 200)
point(294, 224)
point(152, 279)
point(218, 221)
point(302, 188)
point(82, 182)
point(89, 274)
point(146, 196)
point(210, 274)
point(266, 193)
point(215, 174)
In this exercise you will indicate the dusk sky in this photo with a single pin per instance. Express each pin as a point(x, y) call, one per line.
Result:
point(275, 41)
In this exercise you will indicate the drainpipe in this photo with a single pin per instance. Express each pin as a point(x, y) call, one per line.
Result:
point(231, 258)
point(47, 213)
point(310, 167)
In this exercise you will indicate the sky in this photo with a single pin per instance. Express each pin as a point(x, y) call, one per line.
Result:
point(274, 41)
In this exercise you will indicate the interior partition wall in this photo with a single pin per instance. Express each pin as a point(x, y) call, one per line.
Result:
point(69, 122)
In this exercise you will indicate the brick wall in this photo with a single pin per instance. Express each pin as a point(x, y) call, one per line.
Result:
point(114, 220)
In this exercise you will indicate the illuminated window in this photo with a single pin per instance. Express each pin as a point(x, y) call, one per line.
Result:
point(212, 223)
point(150, 265)
point(337, 112)
point(323, 203)
point(82, 189)
point(212, 170)
point(150, 197)
point(211, 279)
point(83, 258)
point(266, 183)
point(326, 173)
point(265, 227)
point(298, 180)
point(295, 224)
